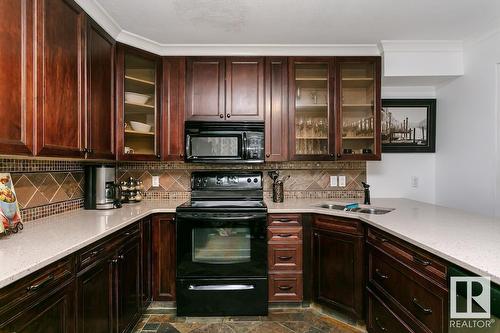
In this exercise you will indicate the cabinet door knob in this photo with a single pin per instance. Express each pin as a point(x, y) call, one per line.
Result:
point(158, 156)
point(221, 116)
point(228, 115)
point(267, 154)
point(181, 155)
point(339, 155)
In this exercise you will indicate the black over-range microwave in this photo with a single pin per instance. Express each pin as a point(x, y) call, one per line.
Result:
point(224, 142)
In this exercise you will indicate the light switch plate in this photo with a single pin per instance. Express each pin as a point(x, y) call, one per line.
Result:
point(155, 181)
point(342, 181)
point(333, 181)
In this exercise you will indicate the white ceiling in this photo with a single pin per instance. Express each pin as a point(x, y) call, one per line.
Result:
point(300, 21)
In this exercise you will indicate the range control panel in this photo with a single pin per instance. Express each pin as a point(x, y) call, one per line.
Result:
point(226, 181)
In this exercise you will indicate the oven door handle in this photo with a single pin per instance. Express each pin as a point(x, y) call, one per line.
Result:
point(245, 146)
point(225, 218)
point(216, 287)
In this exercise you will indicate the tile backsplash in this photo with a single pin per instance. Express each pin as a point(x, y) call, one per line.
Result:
point(307, 179)
point(48, 187)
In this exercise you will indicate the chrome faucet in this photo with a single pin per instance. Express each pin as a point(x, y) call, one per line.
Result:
point(366, 187)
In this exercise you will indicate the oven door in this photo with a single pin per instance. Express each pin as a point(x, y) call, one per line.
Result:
point(212, 146)
point(214, 244)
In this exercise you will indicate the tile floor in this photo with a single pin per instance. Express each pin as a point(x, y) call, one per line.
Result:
point(295, 320)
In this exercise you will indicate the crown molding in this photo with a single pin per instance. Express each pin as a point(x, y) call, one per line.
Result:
point(421, 46)
point(138, 41)
point(101, 16)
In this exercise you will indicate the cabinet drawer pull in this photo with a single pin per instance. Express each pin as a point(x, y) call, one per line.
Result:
point(285, 235)
point(381, 239)
point(127, 234)
point(421, 261)
point(421, 307)
point(40, 284)
point(95, 252)
point(285, 288)
point(381, 275)
point(285, 257)
point(284, 220)
point(382, 328)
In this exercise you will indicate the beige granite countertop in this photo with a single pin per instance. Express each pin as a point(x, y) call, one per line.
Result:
point(468, 240)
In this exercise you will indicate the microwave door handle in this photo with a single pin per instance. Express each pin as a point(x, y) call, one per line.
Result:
point(245, 147)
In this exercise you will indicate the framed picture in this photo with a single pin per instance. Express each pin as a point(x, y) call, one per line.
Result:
point(408, 125)
point(10, 216)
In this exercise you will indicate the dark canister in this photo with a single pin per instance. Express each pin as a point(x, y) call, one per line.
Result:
point(278, 192)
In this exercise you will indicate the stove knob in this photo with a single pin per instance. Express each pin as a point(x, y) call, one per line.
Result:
point(249, 180)
point(255, 180)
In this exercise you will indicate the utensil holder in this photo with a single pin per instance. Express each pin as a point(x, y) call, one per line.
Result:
point(278, 192)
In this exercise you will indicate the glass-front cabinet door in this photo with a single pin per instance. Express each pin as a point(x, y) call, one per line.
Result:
point(358, 121)
point(140, 110)
point(311, 90)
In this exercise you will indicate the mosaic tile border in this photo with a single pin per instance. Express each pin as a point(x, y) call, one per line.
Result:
point(335, 194)
point(30, 214)
point(161, 195)
point(14, 165)
point(293, 165)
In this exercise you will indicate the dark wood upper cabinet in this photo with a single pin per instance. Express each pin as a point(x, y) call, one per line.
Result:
point(338, 264)
point(205, 88)
point(16, 77)
point(358, 118)
point(174, 77)
point(100, 92)
point(276, 113)
point(311, 108)
point(245, 88)
point(60, 68)
point(164, 257)
point(138, 100)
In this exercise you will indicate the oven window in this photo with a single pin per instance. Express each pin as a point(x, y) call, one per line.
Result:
point(221, 245)
point(224, 146)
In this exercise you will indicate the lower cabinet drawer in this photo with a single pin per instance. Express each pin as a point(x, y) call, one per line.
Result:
point(284, 234)
point(285, 257)
point(383, 320)
point(421, 299)
point(285, 287)
point(37, 285)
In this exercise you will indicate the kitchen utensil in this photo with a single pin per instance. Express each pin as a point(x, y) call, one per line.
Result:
point(140, 127)
point(135, 98)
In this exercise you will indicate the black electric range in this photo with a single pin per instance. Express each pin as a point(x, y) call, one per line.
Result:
point(222, 246)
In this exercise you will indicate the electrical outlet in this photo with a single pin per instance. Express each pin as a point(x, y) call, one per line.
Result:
point(342, 181)
point(414, 181)
point(333, 181)
point(155, 181)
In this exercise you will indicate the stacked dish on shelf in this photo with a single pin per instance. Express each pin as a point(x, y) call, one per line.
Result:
point(140, 105)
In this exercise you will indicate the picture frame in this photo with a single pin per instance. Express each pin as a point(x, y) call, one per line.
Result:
point(408, 125)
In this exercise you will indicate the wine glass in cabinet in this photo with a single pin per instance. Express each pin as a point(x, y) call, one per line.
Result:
point(311, 86)
point(358, 108)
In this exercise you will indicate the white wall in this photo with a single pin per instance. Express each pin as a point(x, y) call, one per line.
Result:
point(391, 177)
point(467, 124)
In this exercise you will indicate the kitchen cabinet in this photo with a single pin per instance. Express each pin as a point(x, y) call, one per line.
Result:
point(16, 77)
point(311, 108)
point(138, 104)
point(164, 254)
point(285, 257)
point(100, 141)
point(338, 264)
point(205, 88)
point(276, 109)
point(128, 289)
point(245, 88)
point(41, 302)
point(422, 305)
point(225, 88)
point(358, 105)
point(147, 261)
point(95, 298)
point(60, 29)
point(172, 130)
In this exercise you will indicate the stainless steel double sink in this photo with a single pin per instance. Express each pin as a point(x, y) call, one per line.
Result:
point(361, 209)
